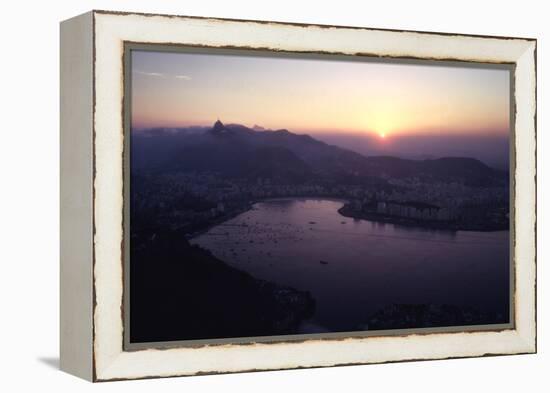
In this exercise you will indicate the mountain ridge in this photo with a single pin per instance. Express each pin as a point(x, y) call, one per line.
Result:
point(234, 149)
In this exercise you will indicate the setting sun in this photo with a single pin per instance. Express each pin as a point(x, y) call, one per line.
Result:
point(401, 99)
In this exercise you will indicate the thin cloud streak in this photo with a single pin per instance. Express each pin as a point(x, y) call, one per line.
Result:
point(156, 74)
point(161, 75)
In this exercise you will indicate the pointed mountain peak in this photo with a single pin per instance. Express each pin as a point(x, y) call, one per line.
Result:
point(218, 126)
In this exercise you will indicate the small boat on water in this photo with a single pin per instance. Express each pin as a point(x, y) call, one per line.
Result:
point(323, 262)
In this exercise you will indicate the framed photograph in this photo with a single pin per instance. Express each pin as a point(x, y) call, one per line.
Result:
point(248, 195)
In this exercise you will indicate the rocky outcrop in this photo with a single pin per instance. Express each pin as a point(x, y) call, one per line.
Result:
point(183, 292)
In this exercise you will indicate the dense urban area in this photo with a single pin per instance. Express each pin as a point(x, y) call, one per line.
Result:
point(193, 201)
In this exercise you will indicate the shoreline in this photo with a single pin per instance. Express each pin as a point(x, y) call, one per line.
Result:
point(433, 225)
point(250, 205)
point(220, 220)
point(171, 272)
point(344, 211)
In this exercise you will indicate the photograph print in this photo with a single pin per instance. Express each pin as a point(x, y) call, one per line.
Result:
point(279, 196)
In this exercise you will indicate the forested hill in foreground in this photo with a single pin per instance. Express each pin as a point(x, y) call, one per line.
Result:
point(234, 150)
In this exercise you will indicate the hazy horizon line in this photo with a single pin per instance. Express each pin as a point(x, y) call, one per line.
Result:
point(405, 146)
point(495, 131)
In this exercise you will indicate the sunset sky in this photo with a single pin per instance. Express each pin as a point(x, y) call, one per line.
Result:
point(316, 96)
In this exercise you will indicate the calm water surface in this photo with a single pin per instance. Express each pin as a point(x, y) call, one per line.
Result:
point(370, 265)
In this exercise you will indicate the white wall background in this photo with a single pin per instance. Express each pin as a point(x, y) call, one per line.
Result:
point(29, 210)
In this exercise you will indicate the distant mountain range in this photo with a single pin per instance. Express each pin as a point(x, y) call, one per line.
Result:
point(238, 151)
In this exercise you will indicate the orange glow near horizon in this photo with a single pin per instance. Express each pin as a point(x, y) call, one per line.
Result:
point(318, 96)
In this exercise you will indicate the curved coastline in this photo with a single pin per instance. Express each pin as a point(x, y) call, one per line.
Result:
point(304, 245)
point(452, 226)
point(346, 211)
point(250, 205)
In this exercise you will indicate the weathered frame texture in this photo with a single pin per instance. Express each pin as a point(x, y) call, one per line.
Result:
point(129, 47)
point(93, 87)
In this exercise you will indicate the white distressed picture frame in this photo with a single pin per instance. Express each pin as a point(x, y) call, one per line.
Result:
point(92, 143)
